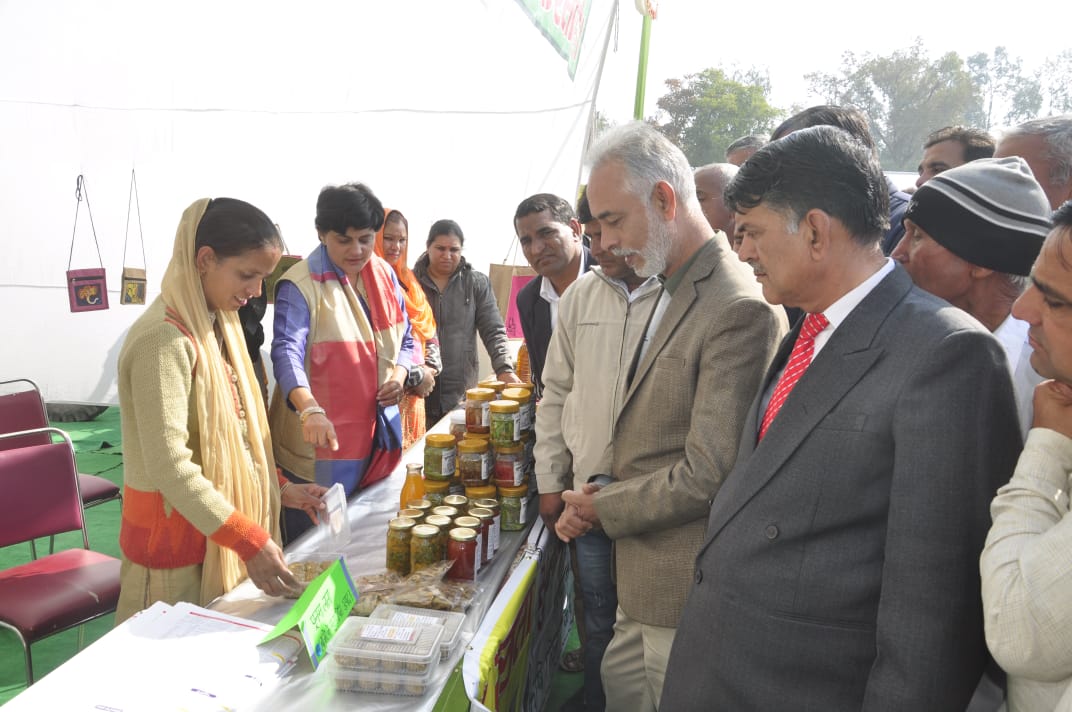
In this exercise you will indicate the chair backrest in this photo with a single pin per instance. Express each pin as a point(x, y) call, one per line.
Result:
point(22, 408)
point(39, 493)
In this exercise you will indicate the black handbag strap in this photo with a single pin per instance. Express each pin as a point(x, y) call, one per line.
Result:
point(80, 188)
point(132, 201)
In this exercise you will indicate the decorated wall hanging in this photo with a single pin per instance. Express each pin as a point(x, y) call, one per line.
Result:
point(86, 288)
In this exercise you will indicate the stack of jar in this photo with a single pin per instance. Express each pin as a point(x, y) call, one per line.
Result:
point(460, 531)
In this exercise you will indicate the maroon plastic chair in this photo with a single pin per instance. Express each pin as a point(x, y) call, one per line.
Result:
point(62, 590)
point(23, 408)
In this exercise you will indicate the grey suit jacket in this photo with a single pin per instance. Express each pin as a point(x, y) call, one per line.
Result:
point(675, 438)
point(840, 566)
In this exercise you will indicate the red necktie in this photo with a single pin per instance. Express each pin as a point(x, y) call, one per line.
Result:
point(799, 360)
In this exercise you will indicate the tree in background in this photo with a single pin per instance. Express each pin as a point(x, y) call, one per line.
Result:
point(905, 95)
point(1058, 78)
point(705, 112)
point(999, 79)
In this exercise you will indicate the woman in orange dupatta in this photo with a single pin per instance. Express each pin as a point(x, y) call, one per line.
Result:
point(391, 242)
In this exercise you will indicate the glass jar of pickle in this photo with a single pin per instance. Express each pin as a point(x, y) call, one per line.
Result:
point(473, 462)
point(458, 501)
point(505, 422)
point(509, 465)
point(424, 547)
point(457, 424)
point(444, 525)
point(526, 408)
point(462, 550)
point(477, 413)
point(485, 517)
point(422, 504)
point(435, 491)
point(513, 503)
point(492, 505)
point(439, 457)
point(399, 533)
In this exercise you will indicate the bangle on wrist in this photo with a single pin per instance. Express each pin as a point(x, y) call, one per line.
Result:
point(311, 410)
point(284, 488)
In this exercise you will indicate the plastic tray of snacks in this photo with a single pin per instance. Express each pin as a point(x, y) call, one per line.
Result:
point(408, 615)
point(365, 644)
point(374, 681)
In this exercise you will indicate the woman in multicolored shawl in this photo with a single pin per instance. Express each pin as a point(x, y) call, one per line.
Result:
point(391, 243)
point(341, 353)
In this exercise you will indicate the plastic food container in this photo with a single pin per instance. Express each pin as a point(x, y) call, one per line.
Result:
point(412, 651)
point(405, 615)
point(382, 683)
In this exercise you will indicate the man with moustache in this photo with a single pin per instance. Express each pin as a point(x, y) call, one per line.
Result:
point(1027, 587)
point(600, 320)
point(686, 389)
point(838, 569)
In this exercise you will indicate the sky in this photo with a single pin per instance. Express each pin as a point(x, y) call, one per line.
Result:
point(791, 39)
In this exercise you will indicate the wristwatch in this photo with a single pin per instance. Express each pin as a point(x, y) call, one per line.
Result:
point(414, 377)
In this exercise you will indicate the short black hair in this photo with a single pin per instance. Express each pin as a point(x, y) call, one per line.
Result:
point(1062, 217)
point(846, 118)
point(756, 142)
point(445, 227)
point(561, 210)
point(584, 210)
point(977, 143)
point(820, 167)
point(342, 207)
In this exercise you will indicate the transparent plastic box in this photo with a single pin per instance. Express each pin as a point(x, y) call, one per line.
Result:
point(376, 682)
point(402, 615)
point(365, 644)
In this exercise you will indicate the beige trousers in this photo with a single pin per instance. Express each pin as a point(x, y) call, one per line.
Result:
point(141, 587)
point(634, 665)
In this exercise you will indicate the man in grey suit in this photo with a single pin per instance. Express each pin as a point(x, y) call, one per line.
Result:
point(839, 569)
point(701, 355)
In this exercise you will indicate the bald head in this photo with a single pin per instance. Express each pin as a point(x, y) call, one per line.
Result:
point(711, 180)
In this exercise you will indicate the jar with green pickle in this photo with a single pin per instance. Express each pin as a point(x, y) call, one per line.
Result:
point(505, 422)
point(444, 524)
point(425, 548)
point(513, 503)
point(399, 535)
point(439, 457)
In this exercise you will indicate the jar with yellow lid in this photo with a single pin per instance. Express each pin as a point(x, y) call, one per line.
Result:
point(473, 462)
point(513, 502)
point(493, 384)
point(487, 491)
point(526, 408)
point(505, 422)
point(447, 511)
point(422, 504)
point(399, 533)
point(425, 549)
point(439, 457)
point(435, 491)
point(477, 413)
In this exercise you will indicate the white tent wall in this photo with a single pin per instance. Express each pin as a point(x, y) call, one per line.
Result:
point(446, 109)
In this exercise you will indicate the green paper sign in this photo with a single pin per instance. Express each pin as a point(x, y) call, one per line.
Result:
point(320, 611)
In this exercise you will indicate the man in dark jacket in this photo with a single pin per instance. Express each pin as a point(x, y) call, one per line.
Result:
point(550, 237)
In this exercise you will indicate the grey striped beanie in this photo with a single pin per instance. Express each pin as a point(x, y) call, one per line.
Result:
point(990, 212)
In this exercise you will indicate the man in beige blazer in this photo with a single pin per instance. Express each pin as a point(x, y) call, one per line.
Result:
point(709, 339)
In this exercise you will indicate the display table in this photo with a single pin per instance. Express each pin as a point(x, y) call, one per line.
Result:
point(517, 621)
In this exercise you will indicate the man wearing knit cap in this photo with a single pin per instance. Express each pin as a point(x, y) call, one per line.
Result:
point(971, 236)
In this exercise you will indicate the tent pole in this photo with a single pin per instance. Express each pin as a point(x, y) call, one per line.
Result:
point(642, 69)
